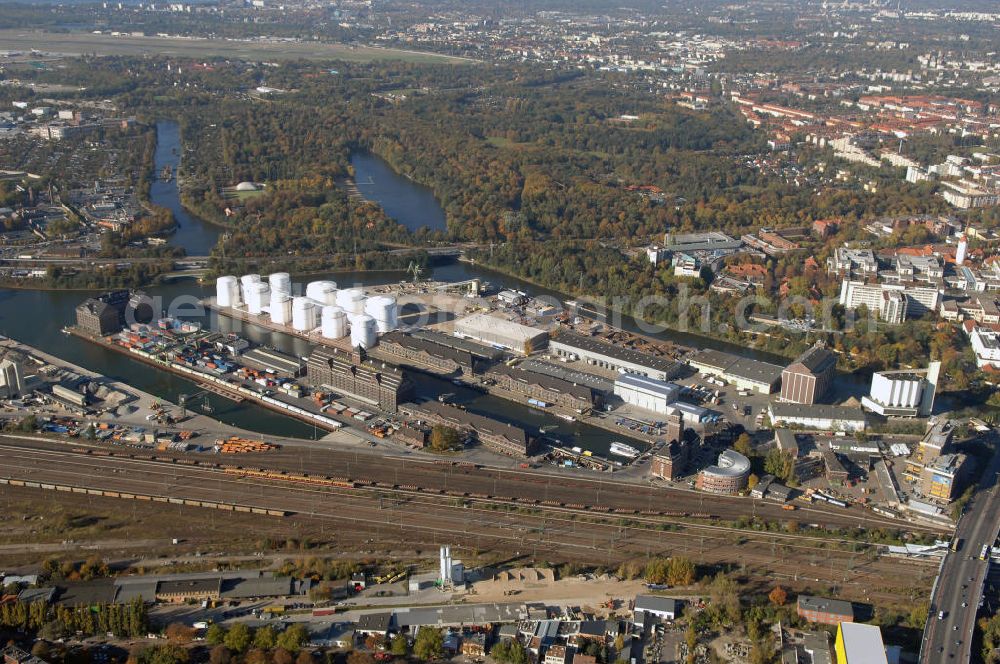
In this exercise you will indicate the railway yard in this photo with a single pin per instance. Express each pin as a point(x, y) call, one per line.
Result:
point(404, 503)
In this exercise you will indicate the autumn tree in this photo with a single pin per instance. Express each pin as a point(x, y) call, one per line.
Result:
point(360, 657)
point(215, 634)
point(444, 438)
point(293, 638)
point(429, 644)
point(238, 638)
point(743, 445)
point(400, 646)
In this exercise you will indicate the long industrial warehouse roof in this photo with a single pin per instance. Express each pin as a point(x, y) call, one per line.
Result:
point(591, 345)
point(494, 325)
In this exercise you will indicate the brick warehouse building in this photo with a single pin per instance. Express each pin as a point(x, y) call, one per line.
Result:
point(351, 375)
point(823, 611)
point(810, 377)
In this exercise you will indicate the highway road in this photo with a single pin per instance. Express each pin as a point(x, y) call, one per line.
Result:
point(552, 532)
point(959, 585)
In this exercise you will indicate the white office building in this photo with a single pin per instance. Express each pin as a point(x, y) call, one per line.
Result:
point(919, 299)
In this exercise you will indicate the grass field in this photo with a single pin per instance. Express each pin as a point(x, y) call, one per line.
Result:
point(78, 43)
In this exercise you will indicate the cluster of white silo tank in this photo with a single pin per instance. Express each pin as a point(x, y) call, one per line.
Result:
point(325, 307)
point(256, 293)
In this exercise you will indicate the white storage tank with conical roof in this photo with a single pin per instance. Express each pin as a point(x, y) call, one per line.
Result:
point(304, 314)
point(227, 292)
point(323, 293)
point(280, 282)
point(384, 310)
point(333, 322)
point(351, 300)
point(258, 297)
point(364, 331)
point(281, 309)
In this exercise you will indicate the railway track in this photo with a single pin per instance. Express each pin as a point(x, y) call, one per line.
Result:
point(526, 486)
point(158, 476)
point(502, 496)
point(541, 486)
point(417, 517)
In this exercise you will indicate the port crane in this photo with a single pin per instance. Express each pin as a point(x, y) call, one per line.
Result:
point(206, 406)
point(415, 270)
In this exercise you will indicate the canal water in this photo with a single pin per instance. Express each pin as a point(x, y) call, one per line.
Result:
point(36, 317)
point(411, 204)
point(196, 236)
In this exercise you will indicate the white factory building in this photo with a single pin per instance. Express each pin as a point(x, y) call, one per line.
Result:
point(647, 393)
point(903, 393)
point(817, 416)
point(501, 333)
point(691, 414)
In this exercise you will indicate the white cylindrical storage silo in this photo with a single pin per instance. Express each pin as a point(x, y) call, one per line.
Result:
point(280, 282)
point(258, 297)
point(323, 293)
point(333, 322)
point(281, 309)
point(245, 282)
point(304, 314)
point(351, 300)
point(383, 309)
point(364, 332)
point(227, 291)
